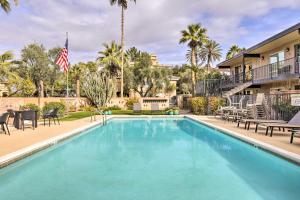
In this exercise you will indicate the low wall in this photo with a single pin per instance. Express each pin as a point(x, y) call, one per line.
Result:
point(15, 102)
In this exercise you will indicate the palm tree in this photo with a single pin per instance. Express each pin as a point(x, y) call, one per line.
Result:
point(133, 54)
point(111, 57)
point(234, 50)
point(124, 5)
point(211, 52)
point(5, 5)
point(188, 57)
point(195, 36)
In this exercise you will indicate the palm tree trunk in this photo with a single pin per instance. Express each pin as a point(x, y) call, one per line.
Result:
point(193, 62)
point(122, 45)
point(52, 90)
point(78, 88)
point(41, 89)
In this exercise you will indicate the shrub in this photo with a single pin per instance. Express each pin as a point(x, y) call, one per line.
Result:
point(89, 108)
point(72, 108)
point(285, 110)
point(215, 103)
point(198, 105)
point(52, 105)
point(30, 106)
point(114, 108)
point(130, 102)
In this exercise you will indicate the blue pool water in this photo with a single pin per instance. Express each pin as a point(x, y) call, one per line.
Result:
point(151, 159)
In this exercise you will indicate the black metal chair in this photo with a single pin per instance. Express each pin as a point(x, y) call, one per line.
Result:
point(3, 122)
point(51, 114)
point(11, 115)
point(29, 115)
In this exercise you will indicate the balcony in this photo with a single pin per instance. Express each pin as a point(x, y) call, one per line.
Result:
point(286, 69)
point(282, 70)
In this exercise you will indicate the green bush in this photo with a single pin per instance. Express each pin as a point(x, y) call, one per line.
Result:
point(52, 105)
point(215, 103)
point(130, 102)
point(30, 106)
point(114, 108)
point(198, 105)
point(285, 110)
point(89, 108)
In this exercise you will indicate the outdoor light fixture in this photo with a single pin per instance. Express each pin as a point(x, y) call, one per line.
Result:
point(287, 49)
point(262, 57)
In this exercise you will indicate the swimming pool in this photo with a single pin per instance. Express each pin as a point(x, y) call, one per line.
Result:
point(151, 158)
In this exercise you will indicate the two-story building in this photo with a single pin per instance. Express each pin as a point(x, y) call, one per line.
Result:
point(269, 66)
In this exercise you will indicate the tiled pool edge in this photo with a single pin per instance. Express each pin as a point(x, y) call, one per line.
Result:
point(35, 148)
point(290, 156)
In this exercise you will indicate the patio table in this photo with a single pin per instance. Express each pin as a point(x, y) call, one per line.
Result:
point(18, 122)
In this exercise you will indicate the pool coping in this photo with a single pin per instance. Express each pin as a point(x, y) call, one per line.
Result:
point(35, 148)
point(287, 155)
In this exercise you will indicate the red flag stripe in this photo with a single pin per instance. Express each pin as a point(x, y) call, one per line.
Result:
point(63, 60)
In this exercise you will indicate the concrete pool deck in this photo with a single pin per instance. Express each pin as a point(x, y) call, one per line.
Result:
point(30, 140)
point(20, 139)
point(280, 139)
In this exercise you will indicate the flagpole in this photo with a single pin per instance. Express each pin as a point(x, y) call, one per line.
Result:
point(67, 34)
point(67, 83)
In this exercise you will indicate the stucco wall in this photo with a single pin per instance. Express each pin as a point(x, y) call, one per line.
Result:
point(15, 102)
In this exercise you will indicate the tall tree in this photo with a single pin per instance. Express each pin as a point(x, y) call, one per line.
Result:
point(234, 50)
point(211, 52)
point(5, 5)
point(110, 57)
point(195, 36)
point(199, 60)
point(133, 54)
point(146, 79)
point(37, 62)
point(124, 5)
point(17, 84)
point(55, 74)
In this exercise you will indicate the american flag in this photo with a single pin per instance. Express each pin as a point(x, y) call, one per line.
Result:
point(63, 59)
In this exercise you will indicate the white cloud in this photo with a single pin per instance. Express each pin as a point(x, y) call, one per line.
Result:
point(150, 25)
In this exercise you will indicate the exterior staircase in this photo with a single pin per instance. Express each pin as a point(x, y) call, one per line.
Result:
point(237, 89)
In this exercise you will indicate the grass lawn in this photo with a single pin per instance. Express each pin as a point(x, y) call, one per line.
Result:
point(144, 112)
point(80, 115)
point(76, 115)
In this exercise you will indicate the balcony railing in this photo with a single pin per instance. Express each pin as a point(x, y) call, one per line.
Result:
point(233, 80)
point(275, 71)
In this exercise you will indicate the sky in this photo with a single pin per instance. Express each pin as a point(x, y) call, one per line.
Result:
point(150, 25)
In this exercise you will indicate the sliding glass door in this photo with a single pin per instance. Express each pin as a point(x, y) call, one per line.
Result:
point(276, 63)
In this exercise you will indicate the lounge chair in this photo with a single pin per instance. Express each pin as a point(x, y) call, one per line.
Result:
point(294, 132)
point(293, 124)
point(3, 122)
point(258, 122)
